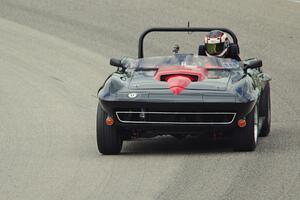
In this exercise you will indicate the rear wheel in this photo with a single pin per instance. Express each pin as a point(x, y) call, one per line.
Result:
point(245, 139)
point(266, 111)
point(109, 140)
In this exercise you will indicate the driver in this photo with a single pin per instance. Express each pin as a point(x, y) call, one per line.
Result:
point(217, 44)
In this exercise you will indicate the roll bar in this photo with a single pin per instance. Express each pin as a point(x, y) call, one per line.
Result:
point(179, 29)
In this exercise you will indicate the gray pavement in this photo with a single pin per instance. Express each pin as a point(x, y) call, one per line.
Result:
point(54, 56)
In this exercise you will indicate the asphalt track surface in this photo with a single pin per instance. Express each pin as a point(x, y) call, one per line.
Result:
point(54, 56)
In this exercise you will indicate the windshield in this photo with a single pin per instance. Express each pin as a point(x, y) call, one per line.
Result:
point(182, 60)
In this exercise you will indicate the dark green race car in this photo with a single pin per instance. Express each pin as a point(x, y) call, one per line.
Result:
point(183, 94)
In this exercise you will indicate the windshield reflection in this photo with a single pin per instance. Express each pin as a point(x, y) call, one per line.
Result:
point(186, 60)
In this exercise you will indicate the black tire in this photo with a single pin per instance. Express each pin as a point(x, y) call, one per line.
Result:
point(266, 111)
point(245, 139)
point(201, 50)
point(109, 140)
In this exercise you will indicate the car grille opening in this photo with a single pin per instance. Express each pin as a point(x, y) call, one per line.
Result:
point(176, 117)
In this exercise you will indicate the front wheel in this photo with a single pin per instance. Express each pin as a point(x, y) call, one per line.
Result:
point(266, 111)
point(245, 139)
point(109, 140)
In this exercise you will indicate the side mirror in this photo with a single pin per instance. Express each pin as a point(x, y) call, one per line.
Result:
point(116, 62)
point(252, 63)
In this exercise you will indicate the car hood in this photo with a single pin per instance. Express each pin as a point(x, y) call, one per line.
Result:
point(142, 80)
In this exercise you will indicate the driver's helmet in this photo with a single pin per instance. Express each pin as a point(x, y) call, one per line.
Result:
point(216, 43)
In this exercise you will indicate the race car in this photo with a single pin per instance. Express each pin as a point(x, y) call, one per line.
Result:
point(183, 94)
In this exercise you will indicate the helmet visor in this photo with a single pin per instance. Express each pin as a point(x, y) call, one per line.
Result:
point(215, 49)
